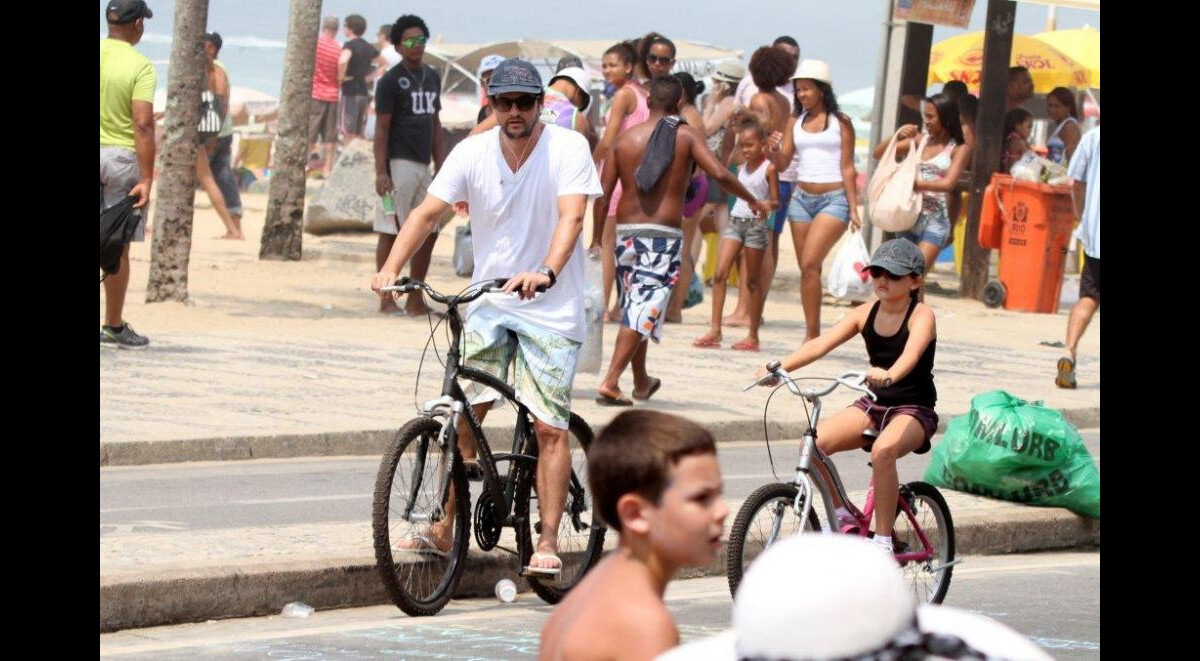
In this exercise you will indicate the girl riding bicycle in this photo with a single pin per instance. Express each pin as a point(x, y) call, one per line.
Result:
point(901, 337)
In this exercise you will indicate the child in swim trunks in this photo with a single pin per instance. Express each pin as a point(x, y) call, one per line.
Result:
point(745, 232)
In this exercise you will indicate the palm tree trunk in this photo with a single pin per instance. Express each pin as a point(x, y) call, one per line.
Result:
point(284, 229)
point(172, 238)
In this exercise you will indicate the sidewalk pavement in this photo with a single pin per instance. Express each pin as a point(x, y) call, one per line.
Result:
point(288, 359)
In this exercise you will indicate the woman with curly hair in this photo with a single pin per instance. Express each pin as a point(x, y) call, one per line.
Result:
point(825, 201)
point(769, 67)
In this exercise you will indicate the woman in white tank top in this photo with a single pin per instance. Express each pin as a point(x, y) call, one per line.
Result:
point(825, 198)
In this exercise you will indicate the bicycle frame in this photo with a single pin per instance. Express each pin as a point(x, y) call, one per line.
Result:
point(451, 405)
point(805, 478)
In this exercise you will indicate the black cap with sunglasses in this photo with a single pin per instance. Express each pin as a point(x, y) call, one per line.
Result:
point(898, 257)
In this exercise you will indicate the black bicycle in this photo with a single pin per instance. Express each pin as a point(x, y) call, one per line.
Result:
point(422, 468)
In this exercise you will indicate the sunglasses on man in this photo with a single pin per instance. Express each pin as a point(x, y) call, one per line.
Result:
point(524, 103)
point(413, 42)
point(659, 59)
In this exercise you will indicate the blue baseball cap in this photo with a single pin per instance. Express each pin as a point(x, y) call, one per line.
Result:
point(514, 75)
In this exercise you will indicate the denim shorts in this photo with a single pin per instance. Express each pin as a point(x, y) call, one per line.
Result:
point(805, 206)
point(930, 228)
point(750, 232)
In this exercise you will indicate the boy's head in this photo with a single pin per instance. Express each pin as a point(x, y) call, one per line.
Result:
point(752, 138)
point(655, 476)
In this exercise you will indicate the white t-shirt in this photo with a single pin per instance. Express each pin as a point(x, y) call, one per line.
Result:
point(390, 56)
point(1085, 167)
point(514, 215)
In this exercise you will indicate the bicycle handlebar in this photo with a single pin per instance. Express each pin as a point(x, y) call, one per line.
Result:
point(852, 380)
point(406, 284)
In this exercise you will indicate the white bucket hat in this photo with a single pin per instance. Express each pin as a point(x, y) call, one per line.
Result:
point(581, 79)
point(814, 70)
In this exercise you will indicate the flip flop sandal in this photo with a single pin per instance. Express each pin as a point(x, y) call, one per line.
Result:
point(743, 345)
point(706, 343)
point(650, 391)
point(1066, 373)
point(426, 545)
point(536, 572)
point(605, 400)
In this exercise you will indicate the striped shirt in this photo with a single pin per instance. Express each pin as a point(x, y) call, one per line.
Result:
point(325, 74)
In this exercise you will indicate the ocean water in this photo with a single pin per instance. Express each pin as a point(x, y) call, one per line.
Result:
point(846, 34)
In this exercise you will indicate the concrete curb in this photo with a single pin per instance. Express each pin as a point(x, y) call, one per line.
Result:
point(173, 597)
point(373, 442)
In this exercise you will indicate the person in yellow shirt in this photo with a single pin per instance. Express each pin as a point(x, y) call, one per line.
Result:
point(127, 83)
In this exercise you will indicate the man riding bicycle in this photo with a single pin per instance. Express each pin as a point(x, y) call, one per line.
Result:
point(527, 185)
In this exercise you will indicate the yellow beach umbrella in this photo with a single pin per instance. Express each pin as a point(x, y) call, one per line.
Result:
point(1080, 44)
point(961, 58)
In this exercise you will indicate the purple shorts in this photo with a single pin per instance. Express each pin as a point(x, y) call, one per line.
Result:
point(880, 415)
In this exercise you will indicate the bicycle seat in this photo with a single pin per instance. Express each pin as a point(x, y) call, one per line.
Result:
point(869, 436)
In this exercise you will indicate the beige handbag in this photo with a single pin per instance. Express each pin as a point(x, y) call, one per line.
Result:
point(894, 204)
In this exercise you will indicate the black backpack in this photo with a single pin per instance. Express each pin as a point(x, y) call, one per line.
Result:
point(117, 224)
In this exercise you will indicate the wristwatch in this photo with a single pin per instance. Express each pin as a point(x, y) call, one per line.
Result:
point(549, 273)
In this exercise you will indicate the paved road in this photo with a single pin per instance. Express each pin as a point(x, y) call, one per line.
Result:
point(233, 494)
point(1054, 598)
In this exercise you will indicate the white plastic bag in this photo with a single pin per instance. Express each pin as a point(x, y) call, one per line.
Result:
point(893, 204)
point(847, 281)
point(591, 353)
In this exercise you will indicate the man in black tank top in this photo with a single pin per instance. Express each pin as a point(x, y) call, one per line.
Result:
point(900, 333)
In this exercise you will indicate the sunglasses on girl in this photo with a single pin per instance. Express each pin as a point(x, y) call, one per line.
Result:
point(879, 272)
point(524, 102)
point(413, 42)
point(658, 59)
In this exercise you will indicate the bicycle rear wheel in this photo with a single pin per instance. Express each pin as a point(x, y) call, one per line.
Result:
point(580, 532)
point(767, 516)
point(419, 576)
point(929, 579)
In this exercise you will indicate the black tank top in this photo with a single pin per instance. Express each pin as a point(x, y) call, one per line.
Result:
point(915, 388)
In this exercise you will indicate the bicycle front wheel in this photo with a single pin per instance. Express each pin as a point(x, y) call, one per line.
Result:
point(929, 578)
point(410, 520)
point(767, 516)
point(580, 532)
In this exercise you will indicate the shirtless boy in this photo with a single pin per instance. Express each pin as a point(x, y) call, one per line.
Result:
point(656, 482)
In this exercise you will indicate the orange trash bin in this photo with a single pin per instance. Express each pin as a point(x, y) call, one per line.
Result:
point(1033, 222)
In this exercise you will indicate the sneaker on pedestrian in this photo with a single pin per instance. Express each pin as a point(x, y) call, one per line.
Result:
point(123, 337)
point(1066, 373)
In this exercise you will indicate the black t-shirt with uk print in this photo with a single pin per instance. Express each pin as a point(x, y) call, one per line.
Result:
point(412, 98)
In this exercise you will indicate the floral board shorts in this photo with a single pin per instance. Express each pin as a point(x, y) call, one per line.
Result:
point(543, 363)
point(647, 268)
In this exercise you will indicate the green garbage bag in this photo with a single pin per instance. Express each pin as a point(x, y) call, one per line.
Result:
point(1011, 449)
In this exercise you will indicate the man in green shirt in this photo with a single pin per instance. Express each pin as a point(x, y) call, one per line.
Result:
point(126, 146)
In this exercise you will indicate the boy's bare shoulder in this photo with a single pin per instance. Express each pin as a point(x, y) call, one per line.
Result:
point(615, 619)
